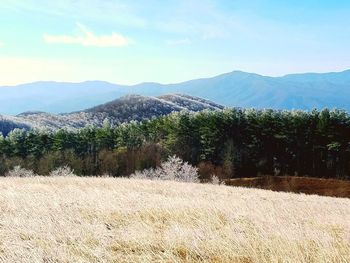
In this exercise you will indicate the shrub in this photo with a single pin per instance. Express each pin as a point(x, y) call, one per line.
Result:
point(18, 171)
point(106, 175)
point(215, 180)
point(173, 169)
point(63, 171)
point(207, 169)
point(146, 174)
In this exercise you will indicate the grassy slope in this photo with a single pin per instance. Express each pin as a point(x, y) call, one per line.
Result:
point(122, 220)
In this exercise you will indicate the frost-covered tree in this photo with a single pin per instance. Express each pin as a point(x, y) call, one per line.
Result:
point(63, 171)
point(18, 171)
point(173, 169)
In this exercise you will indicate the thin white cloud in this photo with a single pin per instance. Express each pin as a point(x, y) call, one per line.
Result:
point(197, 20)
point(2, 44)
point(88, 38)
point(111, 12)
point(176, 42)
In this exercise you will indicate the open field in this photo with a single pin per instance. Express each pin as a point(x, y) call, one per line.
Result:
point(307, 185)
point(61, 219)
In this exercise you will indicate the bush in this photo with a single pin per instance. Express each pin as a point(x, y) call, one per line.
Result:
point(215, 180)
point(173, 169)
point(18, 171)
point(63, 171)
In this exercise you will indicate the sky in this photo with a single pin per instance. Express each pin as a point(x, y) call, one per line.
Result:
point(169, 41)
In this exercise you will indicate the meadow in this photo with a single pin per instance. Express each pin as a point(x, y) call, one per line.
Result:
point(102, 219)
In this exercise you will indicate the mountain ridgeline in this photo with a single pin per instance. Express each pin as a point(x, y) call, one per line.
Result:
point(124, 109)
point(234, 89)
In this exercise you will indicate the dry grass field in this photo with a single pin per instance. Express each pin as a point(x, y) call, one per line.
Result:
point(61, 219)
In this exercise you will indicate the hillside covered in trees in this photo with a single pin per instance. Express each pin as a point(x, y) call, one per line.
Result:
point(125, 109)
point(229, 143)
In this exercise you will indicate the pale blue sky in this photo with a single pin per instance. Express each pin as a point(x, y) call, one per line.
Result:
point(169, 41)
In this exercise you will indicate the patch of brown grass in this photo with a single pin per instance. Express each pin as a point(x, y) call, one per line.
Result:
point(59, 219)
point(307, 185)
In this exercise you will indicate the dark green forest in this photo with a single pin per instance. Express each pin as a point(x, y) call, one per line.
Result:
point(229, 143)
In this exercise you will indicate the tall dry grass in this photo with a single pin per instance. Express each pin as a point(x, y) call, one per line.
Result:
point(59, 219)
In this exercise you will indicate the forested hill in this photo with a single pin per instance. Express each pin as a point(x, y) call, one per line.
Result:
point(228, 143)
point(125, 109)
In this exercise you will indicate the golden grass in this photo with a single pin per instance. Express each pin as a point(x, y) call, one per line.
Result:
point(121, 220)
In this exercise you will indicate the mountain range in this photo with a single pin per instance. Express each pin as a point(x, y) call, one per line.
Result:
point(124, 109)
point(234, 89)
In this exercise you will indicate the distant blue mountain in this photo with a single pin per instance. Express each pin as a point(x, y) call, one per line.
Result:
point(55, 97)
point(237, 88)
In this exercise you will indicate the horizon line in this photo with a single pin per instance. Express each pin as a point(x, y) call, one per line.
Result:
point(173, 83)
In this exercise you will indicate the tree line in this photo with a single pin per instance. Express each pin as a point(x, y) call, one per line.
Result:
point(228, 143)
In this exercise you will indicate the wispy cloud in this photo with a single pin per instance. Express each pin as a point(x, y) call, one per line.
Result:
point(2, 44)
point(177, 42)
point(88, 38)
point(112, 12)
